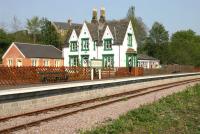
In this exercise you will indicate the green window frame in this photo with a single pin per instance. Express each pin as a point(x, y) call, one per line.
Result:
point(73, 46)
point(108, 61)
point(107, 44)
point(130, 40)
point(85, 44)
point(73, 60)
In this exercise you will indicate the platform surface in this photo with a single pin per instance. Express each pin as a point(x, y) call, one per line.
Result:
point(69, 85)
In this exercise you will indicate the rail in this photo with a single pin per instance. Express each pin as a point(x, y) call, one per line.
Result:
point(107, 100)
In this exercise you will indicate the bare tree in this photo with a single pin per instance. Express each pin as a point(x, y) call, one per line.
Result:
point(15, 24)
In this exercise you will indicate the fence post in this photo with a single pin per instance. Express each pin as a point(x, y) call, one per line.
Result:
point(100, 73)
point(92, 73)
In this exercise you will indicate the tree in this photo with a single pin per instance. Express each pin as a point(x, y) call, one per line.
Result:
point(185, 48)
point(21, 36)
point(157, 41)
point(138, 26)
point(158, 34)
point(33, 26)
point(49, 33)
point(16, 24)
point(4, 42)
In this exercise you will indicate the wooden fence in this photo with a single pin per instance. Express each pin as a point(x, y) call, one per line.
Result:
point(11, 76)
point(170, 69)
point(121, 72)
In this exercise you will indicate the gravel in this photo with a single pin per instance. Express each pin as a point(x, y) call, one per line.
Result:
point(92, 118)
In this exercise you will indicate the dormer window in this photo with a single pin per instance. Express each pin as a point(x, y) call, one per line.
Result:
point(85, 44)
point(73, 46)
point(130, 40)
point(107, 44)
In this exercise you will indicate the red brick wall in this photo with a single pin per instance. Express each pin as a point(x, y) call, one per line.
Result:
point(41, 61)
point(14, 53)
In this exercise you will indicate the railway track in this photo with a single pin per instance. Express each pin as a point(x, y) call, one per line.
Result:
point(89, 104)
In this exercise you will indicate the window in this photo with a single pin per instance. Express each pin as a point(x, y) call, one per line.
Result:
point(34, 62)
point(46, 63)
point(108, 44)
point(85, 44)
point(108, 61)
point(57, 63)
point(129, 39)
point(10, 62)
point(73, 46)
point(73, 60)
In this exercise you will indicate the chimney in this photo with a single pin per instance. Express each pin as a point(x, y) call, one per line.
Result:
point(69, 22)
point(102, 15)
point(94, 16)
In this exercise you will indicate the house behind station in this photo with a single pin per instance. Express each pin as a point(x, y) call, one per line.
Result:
point(148, 62)
point(26, 54)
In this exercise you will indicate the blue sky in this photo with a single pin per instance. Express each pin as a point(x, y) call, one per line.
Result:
point(174, 14)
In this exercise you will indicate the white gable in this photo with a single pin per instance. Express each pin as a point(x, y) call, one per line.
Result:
point(130, 31)
point(85, 32)
point(73, 36)
point(107, 34)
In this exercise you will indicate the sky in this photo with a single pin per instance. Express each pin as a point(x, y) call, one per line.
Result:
point(173, 14)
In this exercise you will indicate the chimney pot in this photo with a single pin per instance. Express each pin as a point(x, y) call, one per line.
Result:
point(94, 16)
point(102, 15)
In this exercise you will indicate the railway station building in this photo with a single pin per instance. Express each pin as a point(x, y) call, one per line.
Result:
point(112, 42)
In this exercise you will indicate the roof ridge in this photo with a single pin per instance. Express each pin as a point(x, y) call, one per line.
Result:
point(33, 44)
point(56, 48)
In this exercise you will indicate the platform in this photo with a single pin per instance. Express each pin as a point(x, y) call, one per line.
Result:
point(56, 89)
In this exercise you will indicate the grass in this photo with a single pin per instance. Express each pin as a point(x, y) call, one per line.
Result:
point(175, 114)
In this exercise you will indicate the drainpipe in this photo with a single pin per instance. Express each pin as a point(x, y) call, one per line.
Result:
point(119, 55)
point(97, 52)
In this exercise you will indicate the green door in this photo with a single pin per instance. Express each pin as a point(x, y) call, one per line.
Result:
point(131, 60)
point(85, 60)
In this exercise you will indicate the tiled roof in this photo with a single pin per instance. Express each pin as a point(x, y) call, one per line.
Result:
point(66, 26)
point(130, 50)
point(145, 57)
point(69, 32)
point(39, 51)
point(117, 28)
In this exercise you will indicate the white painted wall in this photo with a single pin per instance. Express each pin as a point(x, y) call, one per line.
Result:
point(125, 46)
point(86, 34)
point(66, 50)
point(119, 50)
point(149, 64)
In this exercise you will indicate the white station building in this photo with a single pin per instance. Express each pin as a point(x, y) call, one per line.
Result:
point(112, 42)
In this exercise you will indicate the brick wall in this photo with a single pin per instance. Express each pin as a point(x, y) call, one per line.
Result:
point(13, 54)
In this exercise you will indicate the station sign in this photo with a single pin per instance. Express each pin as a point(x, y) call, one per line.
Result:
point(96, 63)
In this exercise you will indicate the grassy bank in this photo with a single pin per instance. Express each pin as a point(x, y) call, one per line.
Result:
point(178, 113)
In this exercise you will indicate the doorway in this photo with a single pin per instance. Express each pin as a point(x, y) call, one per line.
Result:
point(85, 60)
point(19, 62)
